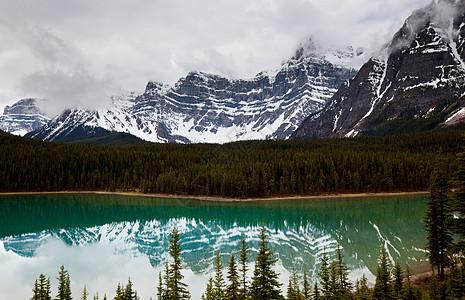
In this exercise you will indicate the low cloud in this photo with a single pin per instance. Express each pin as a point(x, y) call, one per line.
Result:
point(120, 45)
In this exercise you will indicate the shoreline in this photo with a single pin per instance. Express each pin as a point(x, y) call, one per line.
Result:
point(225, 199)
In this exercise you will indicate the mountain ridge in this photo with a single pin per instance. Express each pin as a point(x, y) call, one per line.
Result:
point(415, 83)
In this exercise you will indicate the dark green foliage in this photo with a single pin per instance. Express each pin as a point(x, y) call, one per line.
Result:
point(241, 169)
point(85, 293)
point(456, 282)
point(409, 291)
point(42, 288)
point(293, 289)
point(64, 285)
point(306, 287)
point(265, 283)
point(383, 288)
point(344, 286)
point(209, 292)
point(437, 217)
point(176, 289)
point(160, 288)
point(362, 292)
point(218, 282)
point(398, 281)
point(243, 268)
point(233, 289)
point(458, 205)
point(126, 293)
point(316, 292)
point(325, 277)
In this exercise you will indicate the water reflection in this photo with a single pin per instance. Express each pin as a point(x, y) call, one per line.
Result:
point(299, 230)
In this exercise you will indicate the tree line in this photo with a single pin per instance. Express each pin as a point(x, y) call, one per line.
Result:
point(240, 169)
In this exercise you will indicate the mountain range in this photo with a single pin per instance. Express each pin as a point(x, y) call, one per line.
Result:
point(415, 82)
point(203, 107)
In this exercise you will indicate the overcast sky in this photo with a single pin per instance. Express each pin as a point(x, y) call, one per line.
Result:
point(76, 52)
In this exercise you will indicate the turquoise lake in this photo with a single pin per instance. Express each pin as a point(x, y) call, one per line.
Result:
point(105, 239)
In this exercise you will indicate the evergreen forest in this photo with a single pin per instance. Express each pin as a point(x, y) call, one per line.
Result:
point(236, 170)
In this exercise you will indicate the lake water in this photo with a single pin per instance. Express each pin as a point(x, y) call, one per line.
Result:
point(105, 239)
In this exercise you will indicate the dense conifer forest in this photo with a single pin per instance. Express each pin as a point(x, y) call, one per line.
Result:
point(240, 169)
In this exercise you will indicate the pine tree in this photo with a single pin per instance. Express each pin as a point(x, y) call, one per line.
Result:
point(160, 289)
point(293, 289)
point(41, 289)
point(243, 267)
point(325, 278)
point(96, 297)
point(437, 216)
point(306, 287)
point(209, 292)
point(382, 288)
point(362, 292)
point(409, 293)
point(85, 293)
point(176, 289)
point(398, 281)
point(218, 283)
point(64, 285)
point(129, 292)
point(232, 291)
point(119, 292)
point(345, 286)
point(316, 292)
point(265, 283)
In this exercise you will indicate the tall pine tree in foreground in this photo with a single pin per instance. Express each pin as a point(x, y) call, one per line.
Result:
point(176, 289)
point(41, 289)
point(232, 291)
point(265, 283)
point(218, 282)
point(243, 267)
point(64, 285)
point(439, 237)
point(382, 288)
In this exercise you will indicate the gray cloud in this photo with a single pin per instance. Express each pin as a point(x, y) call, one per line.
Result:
point(107, 46)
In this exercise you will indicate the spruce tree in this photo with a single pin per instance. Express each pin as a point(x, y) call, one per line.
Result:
point(218, 283)
point(265, 283)
point(325, 279)
point(398, 280)
point(362, 292)
point(160, 288)
point(209, 292)
point(119, 292)
point(316, 292)
point(409, 293)
point(129, 292)
point(232, 291)
point(176, 289)
point(293, 289)
point(437, 217)
point(85, 293)
point(41, 289)
point(306, 287)
point(345, 286)
point(64, 285)
point(382, 288)
point(243, 267)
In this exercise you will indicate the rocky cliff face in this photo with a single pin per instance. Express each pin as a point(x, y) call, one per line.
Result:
point(209, 108)
point(415, 83)
point(22, 117)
